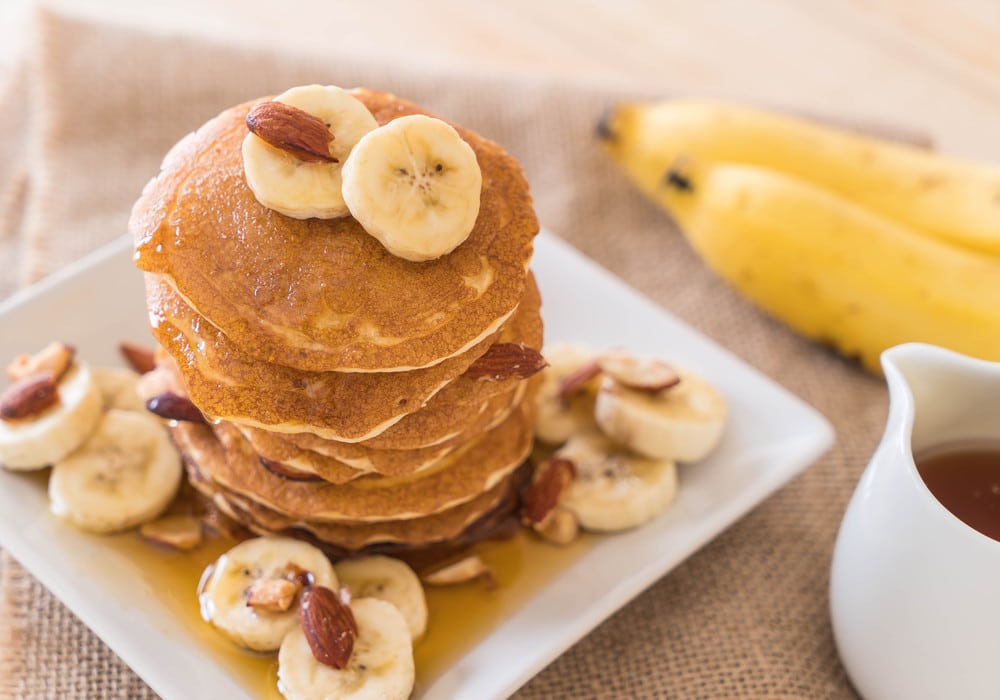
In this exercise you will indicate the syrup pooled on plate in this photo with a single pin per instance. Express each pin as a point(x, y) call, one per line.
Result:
point(459, 616)
point(966, 480)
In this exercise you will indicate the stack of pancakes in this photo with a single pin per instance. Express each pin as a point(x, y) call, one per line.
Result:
point(343, 385)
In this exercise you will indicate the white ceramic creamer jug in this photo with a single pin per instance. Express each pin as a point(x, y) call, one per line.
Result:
point(914, 591)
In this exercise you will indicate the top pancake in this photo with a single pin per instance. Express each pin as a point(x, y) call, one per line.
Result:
point(323, 295)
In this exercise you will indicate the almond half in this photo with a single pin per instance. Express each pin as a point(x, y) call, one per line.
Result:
point(55, 357)
point(462, 571)
point(329, 626)
point(507, 361)
point(639, 373)
point(272, 594)
point(293, 130)
point(181, 531)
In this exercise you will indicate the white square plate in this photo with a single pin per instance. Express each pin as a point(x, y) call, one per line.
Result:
point(771, 436)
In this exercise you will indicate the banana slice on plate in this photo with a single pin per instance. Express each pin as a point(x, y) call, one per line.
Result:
point(301, 189)
point(119, 388)
point(380, 666)
point(390, 580)
point(249, 593)
point(613, 489)
point(125, 474)
point(415, 185)
point(658, 417)
point(36, 441)
point(565, 399)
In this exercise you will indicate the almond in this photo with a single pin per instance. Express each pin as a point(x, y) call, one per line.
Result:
point(286, 472)
point(55, 357)
point(174, 407)
point(507, 361)
point(639, 373)
point(329, 626)
point(292, 130)
point(550, 480)
point(139, 358)
point(181, 532)
point(272, 594)
point(468, 569)
point(29, 396)
point(573, 382)
point(295, 573)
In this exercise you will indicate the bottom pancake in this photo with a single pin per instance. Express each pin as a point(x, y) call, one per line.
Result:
point(199, 446)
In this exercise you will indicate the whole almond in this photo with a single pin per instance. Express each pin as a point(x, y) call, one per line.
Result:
point(292, 130)
point(174, 407)
point(139, 358)
point(507, 361)
point(329, 626)
point(551, 479)
point(29, 396)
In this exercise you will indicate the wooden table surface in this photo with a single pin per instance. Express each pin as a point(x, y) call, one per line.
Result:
point(931, 65)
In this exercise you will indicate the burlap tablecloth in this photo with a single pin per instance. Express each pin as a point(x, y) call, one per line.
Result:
point(85, 118)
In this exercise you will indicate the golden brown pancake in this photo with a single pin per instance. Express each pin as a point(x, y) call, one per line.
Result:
point(199, 445)
point(227, 384)
point(460, 477)
point(323, 295)
point(310, 453)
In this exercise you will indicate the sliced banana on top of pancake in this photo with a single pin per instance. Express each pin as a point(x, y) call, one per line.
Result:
point(35, 436)
point(390, 580)
point(125, 474)
point(659, 412)
point(415, 185)
point(283, 181)
point(380, 661)
point(613, 489)
point(250, 593)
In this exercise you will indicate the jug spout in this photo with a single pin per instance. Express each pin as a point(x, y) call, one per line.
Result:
point(938, 397)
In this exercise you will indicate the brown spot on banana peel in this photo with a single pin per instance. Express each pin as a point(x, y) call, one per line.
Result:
point(678, 180)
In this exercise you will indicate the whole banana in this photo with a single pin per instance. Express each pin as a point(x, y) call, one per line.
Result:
point(831, 269)
point(953, 200)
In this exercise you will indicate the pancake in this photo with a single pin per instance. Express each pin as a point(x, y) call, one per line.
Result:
point(226, 384)
point(460, 477)
point(309, 453)
point(323, 295)
point(199, 445)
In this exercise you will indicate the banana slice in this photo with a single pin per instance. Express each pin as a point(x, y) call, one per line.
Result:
point(683, 422)
point(125, 474)
point(613, 489)
point(38, 441)
point(301, 189)
point(380, 668)
point(119, 388)
point(390, 580)
point(414, 184)
point(566, 397)
point(260, 565)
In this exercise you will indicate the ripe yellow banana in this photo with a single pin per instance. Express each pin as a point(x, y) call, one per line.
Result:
point(831, 269)
point(951, 199)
